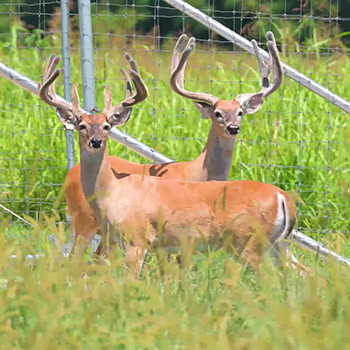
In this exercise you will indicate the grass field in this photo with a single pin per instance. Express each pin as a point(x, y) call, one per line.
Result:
point(212, 303)
point(297, 141)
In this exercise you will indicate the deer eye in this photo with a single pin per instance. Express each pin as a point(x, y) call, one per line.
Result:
point(106, 127)
point(218, 115)
point(116, 116)
point(82, 127)
point(240, 113)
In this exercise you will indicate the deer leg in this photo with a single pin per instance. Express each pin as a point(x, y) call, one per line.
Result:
point(252, 254)
point(283, 247)
point(84, 234)
point(80, 246)
point(135, 258)
point(161, 258)
point(109, 240)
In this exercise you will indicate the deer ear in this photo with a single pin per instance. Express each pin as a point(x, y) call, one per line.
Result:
point(119, 118)
point(67, 118)
point(205, 108)
point(251, 103)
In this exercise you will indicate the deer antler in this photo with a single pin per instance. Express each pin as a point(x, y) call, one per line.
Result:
point(48, 95)
point(178, 72)
point(130, 100)
point(274, 61)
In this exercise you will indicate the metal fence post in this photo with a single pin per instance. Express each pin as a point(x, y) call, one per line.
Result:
point(67, 77)
point(87, 64)
point(87, 60)
point(87, 54)
point(67, 92)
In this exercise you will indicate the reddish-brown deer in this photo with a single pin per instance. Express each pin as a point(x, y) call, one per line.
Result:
point(214, 163)
point(143, 213)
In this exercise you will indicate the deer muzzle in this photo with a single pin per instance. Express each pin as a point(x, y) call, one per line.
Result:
point(233, 129)
point(96, 143)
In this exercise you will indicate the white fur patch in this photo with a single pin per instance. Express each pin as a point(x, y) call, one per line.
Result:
point(281, 213)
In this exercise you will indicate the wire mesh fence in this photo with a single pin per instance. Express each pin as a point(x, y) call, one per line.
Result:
point(33, 159)
point(297, 141)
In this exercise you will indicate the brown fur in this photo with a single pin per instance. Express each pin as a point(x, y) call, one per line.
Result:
point(82, 216)
point(151, 213)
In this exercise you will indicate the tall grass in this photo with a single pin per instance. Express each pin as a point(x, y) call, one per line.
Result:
point(212, 303)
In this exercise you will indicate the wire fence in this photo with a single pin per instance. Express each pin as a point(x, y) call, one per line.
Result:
point(297, 141)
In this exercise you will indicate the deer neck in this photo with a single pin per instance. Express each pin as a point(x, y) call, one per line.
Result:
point(95, 175)
point(218, 153)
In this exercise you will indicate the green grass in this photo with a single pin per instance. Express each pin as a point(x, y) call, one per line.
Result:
point(212, 303)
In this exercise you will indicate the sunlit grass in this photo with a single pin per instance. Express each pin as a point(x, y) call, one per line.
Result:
point(213, 303)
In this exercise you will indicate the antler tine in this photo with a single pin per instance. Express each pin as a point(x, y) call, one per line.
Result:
point(277, 64)
point(141, 92)
point(177, 74)
point(47, 94)
point(264, 68)
point(130, 100)
point(132, 63)
point(134, 67)
point(50, 68)
point(178, 49)
point(274, 61)
point(77, 110)
point(47, 89)
point(127, 83)
point(109, 98)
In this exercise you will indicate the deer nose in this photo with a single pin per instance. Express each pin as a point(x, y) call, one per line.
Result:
point(233, 129)
point(96, 143)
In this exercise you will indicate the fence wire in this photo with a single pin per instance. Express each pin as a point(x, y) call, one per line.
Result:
point(297, 141)
point(33, 150)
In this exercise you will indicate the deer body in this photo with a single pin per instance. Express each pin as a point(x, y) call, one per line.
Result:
point(83, 217)
point(152, 213)
point(214, 163)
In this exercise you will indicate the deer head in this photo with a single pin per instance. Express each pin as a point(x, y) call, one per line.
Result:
point(93, 128)
point(227, 115)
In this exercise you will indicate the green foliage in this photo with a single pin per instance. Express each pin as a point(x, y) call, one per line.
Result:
point(298, 141)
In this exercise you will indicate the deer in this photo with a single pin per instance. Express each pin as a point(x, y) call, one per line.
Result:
point(214, 162)
point(147, 213)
